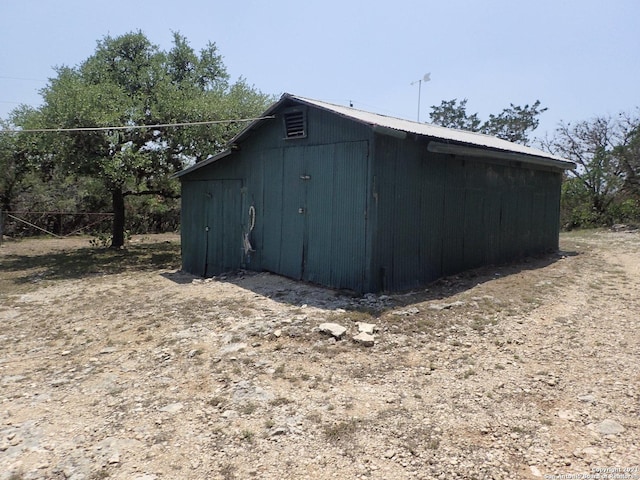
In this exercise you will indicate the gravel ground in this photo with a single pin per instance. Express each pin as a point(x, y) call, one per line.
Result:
point(530, 370)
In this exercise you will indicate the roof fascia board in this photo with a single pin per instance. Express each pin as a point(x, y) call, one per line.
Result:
point(390, 132)
point(268, 113)
point(203, 163)
point(463, 150)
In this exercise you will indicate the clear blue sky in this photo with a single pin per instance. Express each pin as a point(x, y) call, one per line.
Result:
point(581, 58)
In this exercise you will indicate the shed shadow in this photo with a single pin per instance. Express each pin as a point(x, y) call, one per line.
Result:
point(181, 278)
point(304, 294)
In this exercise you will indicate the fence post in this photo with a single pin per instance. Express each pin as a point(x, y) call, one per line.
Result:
point(1, 226)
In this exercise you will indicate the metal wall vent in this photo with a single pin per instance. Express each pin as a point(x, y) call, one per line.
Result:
point(295, 124)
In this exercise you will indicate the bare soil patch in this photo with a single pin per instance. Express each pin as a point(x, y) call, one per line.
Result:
point(114, 364)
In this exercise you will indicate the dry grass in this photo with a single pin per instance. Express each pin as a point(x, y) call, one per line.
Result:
point(514, 345)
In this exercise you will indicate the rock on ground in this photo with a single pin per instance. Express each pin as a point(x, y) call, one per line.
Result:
point(127, 371)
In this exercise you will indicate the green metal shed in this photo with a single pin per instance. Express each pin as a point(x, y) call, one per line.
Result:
point(354, 200)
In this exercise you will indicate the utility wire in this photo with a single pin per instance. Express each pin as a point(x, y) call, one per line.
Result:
point(22, 79)
point(133, 127)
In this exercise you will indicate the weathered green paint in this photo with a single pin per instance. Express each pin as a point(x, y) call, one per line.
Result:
point(353, 207)
point(211, 227)
point(441, 214)
point(314, 213)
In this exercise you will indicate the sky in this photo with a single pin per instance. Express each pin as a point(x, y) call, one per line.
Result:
point(580, 58)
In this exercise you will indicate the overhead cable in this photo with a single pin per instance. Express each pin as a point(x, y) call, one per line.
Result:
point(134, 127)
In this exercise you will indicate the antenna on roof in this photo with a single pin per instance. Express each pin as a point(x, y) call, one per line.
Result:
point(425, 78)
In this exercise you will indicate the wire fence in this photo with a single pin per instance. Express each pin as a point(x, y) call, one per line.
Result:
point(55, 224)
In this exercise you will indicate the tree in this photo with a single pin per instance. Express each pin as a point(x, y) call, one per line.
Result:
point(32, 180)
point(628, 151)
point(450, 114)
point(514, 123)
point(129, 82)
point(10, 169)
point(604, 187)
point(17, 158)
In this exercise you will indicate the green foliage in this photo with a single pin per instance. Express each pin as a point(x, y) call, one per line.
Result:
point(450, 114)
point(10, 169)
point(626, 210)
point(513, 124)
point(576, 209)
point(152, 214)
point(604, 188)
point(628, 152)
point(129, 81)
point(18, 157)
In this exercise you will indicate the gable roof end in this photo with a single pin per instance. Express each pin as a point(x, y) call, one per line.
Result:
point(203, 163)
point(447, 140)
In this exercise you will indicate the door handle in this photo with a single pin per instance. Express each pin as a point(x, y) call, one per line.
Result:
point(305, 177)
point(301, 210)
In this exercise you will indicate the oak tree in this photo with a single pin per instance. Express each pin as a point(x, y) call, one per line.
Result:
point(605, 186)
point(127, 83)
point(514, 123)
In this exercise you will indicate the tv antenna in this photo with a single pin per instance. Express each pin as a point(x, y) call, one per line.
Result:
point(425, 78)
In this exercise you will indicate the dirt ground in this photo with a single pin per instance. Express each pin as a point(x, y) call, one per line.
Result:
point(114, 364)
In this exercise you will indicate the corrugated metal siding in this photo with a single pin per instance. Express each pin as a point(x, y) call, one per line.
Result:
point(269, 216)
point(293, 191)
point(384, 193)
point(482, 200)
point(431, 226)
point(474, 249)
point(319, 173)
point(552, 211)
point(211, 232)
point(349, 208)
point(349, 216)
point(319, 233)
point(409, 228)
point(453, 218)
point(224, 242)
point(192, 228)
point(439, 214)
point(406, 237)
point(310, 197)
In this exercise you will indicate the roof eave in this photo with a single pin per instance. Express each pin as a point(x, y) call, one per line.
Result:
point(448, 143)
point(474, 151)
point(382, 124)
point(203, 163)
point(263, 118)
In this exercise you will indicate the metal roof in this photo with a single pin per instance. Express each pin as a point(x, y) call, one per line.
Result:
point(430, 130)
point(203, 163)
point(465, 138)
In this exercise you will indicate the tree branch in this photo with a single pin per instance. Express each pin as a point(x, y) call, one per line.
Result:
point(162, 193)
